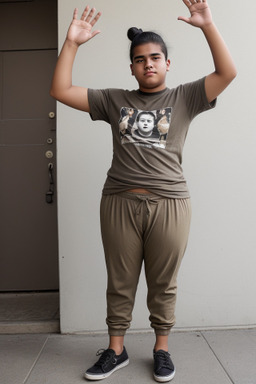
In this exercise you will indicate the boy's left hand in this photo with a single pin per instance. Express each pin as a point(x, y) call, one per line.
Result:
point(200, 13)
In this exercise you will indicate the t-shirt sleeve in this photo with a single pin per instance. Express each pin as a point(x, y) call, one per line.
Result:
point(99, 104)
point(196, 99)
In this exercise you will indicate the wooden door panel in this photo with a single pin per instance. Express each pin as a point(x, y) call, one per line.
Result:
point(27, 132)
point(26, 84)
point(28, 225)
point(28, 25)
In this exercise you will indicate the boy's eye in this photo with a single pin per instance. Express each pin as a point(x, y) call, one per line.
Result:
point(155, 58)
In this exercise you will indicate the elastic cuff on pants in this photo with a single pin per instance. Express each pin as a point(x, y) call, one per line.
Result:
point(162, 332)
point(116, 332)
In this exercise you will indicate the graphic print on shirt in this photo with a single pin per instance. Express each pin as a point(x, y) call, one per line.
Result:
point(145, 128)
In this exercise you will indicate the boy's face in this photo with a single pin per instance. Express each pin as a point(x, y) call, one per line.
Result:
point(149, 67)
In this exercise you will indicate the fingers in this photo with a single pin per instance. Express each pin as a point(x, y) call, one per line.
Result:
point(75, 14)
point(95, 33)
point(96, 18)
point(193, 6)
point(85, 12)
point(189, 3)
point(186, 19)
point(88, 15)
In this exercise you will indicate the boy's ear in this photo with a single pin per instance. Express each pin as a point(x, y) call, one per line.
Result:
point(131, 66)
point(168, 64)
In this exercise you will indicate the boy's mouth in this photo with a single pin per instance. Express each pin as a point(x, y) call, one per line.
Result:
point(148, 73)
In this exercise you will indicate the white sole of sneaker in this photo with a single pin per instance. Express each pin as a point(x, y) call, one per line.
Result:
point(89, 376)
point(164, 379)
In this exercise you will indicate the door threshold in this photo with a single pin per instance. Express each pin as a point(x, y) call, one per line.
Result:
point(14, 328)
point(29, 312)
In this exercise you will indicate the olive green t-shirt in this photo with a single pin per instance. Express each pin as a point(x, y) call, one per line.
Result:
point(149, 132)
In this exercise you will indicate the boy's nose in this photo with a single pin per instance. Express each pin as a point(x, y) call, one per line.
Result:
point(148, 65)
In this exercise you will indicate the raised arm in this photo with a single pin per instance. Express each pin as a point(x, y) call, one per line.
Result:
point(225, 70)
point(62, 89)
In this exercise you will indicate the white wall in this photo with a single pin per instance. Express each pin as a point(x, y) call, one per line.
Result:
point(217, 281)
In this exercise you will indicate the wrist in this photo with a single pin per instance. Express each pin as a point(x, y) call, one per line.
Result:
point(208, 28)
point(71, 43)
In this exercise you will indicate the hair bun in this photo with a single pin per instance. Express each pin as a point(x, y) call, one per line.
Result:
point(133, 32)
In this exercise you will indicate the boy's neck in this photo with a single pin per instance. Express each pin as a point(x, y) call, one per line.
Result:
point(151, 92)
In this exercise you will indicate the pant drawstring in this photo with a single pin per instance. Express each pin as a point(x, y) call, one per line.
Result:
point(147, 201)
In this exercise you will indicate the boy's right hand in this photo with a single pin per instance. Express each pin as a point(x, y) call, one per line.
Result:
point(80, 31)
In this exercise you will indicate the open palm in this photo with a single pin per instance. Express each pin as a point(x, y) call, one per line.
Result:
point(80, 30)
point(199, 11)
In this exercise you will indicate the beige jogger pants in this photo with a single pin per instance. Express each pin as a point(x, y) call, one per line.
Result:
point(137, 228)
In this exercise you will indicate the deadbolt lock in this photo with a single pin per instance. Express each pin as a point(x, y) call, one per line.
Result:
point(51, 115)
point(49, 154)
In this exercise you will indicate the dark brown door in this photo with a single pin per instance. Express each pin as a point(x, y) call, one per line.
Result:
point(28, 209)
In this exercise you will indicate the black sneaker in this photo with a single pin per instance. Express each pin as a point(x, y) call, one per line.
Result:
point(108, 363)
point(163, 366)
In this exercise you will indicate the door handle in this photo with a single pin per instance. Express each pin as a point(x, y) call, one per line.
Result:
point(50, 193)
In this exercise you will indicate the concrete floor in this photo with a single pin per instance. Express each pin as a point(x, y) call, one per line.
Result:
point(206, 357)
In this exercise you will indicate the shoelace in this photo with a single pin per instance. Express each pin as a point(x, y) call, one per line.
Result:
point(105, 356)
point(162, 360)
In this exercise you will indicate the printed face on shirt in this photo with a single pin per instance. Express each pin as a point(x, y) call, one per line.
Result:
point(144, 128)
point(145, 124)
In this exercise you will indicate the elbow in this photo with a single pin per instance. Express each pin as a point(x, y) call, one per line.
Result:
point(56, 95)
point(54, 90)
point(229, 77)
point(232, 74)
point(52, 93)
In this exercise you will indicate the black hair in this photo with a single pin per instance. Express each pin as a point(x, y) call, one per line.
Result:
point(145, 113)
point(139, 37)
